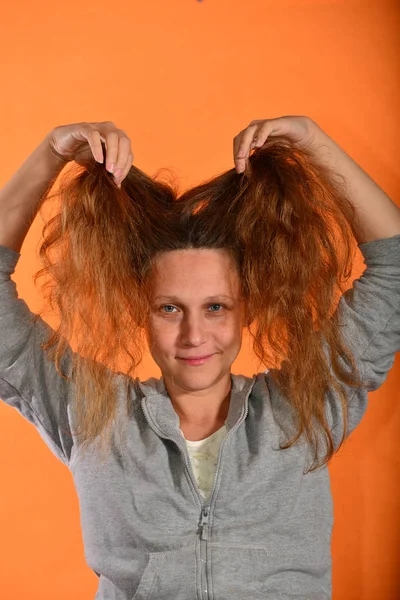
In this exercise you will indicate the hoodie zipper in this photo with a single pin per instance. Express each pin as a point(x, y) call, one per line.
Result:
point(204, 523)
point(205, 510)
point(205, 514)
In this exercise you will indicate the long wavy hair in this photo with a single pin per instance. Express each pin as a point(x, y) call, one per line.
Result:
point(288, 226)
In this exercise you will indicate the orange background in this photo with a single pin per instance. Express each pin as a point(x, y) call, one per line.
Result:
point(183, 77)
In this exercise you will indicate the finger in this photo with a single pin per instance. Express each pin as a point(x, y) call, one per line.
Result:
point(124, 151)
point(112, 142)
point(242, 146)
point(94, 141)
point(262, 134)
point(126, 168)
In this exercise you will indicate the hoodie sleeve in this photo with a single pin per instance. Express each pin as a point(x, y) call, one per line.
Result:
point(29, 381)
point(370, 320)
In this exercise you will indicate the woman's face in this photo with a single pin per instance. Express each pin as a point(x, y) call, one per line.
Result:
point(195, 311)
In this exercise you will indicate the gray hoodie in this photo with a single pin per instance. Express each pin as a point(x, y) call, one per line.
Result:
point(264, 531)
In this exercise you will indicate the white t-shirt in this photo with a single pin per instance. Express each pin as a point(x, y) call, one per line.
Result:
point(204, 457)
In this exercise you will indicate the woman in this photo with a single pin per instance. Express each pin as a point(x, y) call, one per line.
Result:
point(209, 492)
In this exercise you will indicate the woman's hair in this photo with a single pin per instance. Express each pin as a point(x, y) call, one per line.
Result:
point(288, 226)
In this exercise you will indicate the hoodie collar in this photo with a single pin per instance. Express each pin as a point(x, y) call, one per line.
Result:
point(157, 403)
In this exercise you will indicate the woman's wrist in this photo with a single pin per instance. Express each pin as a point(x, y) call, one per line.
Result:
point(57, 159)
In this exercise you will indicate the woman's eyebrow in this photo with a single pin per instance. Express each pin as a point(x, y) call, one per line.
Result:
point(209, 298)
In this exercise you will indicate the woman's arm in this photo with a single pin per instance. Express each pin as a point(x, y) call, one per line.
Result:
point(20, 196)
point(378, 216)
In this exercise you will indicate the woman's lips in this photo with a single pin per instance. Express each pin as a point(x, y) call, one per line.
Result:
point(195, 361)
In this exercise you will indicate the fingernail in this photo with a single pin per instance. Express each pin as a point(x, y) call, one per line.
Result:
point(111, 168)
point(117, 173)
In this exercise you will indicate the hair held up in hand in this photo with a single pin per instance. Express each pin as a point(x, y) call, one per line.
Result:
point(288, 225)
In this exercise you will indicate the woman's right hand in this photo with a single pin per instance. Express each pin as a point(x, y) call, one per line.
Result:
point(82, 141)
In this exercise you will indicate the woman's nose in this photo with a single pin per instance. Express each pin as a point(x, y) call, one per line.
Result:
point(193, 330)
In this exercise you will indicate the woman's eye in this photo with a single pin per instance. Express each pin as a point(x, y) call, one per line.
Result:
point(170, 306)
point(217, 305)
point(167, 306)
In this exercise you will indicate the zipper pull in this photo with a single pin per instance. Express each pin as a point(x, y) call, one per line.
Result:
point(204, 523)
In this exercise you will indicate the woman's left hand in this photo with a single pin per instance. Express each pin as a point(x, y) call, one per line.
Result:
point(300, 130)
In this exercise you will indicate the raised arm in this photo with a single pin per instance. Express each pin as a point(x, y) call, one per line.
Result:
point(21, 195)
point(378, 216)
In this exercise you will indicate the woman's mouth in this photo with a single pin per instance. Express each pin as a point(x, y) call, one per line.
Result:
point(195, 361)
